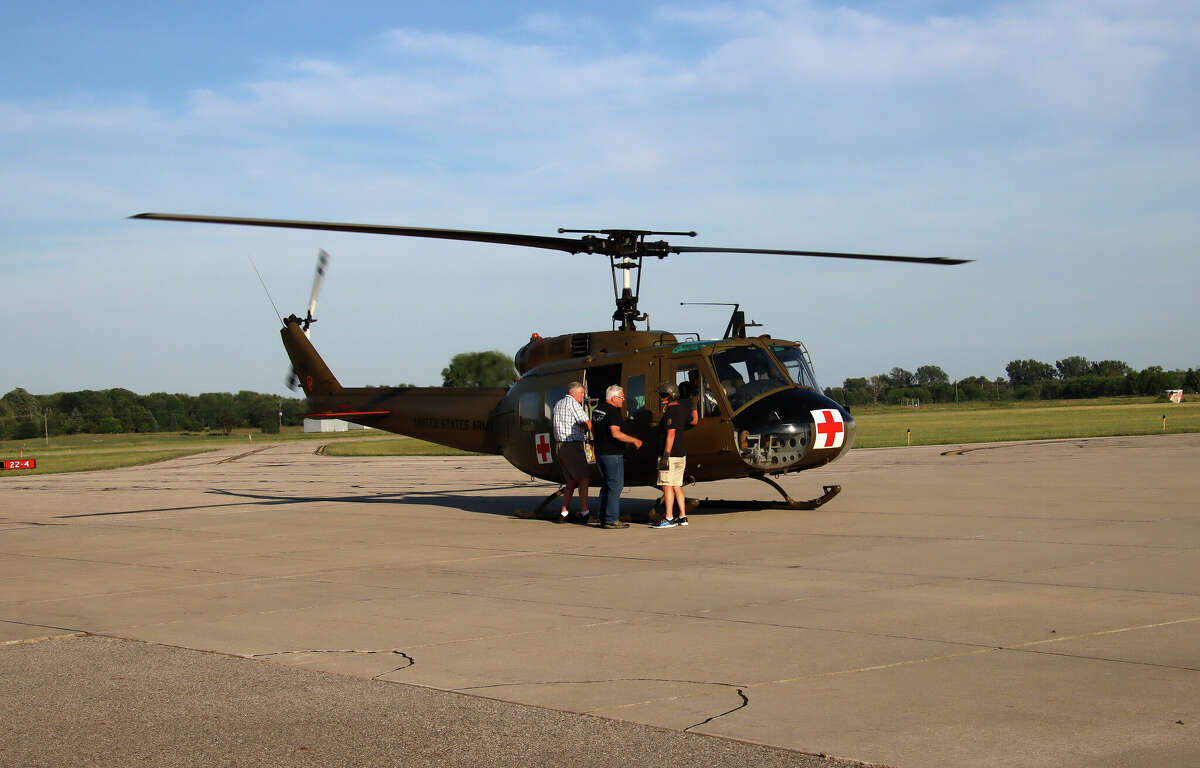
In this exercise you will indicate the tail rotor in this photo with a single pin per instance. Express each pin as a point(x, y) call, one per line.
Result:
point(318, 278)
point(292, 380)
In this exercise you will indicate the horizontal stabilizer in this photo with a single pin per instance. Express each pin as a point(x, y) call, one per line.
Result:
point(341, 414)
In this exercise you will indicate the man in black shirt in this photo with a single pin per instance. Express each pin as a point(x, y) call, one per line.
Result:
point(610, 441)
point(675, 420)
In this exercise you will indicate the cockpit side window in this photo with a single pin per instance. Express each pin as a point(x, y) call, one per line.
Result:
point(695, 387)
point(746, 373)
point(797, 365)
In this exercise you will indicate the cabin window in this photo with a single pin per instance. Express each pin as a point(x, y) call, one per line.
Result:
point(531, 414)
point(553, 395)
point(635, 393)
point(746, 373)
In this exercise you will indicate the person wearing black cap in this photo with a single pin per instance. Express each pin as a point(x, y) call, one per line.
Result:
point(675, 420)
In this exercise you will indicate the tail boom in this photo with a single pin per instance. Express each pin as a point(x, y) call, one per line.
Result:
point(459, 417)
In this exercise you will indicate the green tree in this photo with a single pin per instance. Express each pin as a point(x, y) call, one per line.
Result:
point(1073, 367)
point(1154, 380)
point(479, 369)
point(930, 376)
point(266, 416)
point(22, 404)
point(1029, 372)
point(1111, 368)
point(898, 377)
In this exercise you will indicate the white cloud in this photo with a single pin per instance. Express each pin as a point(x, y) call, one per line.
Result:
point(1044, 140)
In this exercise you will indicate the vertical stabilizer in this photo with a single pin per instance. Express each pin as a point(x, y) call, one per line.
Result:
point(314, 376)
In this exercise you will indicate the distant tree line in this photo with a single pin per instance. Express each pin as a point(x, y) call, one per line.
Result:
point(1071, 377)
point(24, 415)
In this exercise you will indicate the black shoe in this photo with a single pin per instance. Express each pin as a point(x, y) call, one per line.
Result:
point(561, 517)
point(617, 524)
point(580, 518)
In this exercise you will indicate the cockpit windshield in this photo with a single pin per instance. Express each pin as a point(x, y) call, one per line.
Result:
point(797, 365)
point(746, 373)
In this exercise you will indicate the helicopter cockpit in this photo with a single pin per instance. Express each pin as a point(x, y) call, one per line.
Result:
point(781, 420)
point(747, 372)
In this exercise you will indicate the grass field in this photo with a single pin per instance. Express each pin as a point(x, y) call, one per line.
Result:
point(77, 453)
point(878, 427)
point(975, 423)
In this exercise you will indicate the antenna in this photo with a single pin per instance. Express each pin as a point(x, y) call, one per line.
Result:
point(264, 285)
point(737, 321)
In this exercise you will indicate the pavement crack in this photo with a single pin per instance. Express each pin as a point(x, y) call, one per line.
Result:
point(409, 660)
point(741, 691)
point(745, 703)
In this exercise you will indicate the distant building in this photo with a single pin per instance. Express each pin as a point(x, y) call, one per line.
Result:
point(330, 425)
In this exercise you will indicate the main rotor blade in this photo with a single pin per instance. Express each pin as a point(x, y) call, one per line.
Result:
point(824, 254)
point(588, 243)
point(570, 245)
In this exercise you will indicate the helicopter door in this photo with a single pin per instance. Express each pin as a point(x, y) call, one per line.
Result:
point(695, 386)
point(596, 380)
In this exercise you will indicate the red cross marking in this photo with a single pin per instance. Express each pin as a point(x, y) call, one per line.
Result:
point(542, 446)
point(831, 428)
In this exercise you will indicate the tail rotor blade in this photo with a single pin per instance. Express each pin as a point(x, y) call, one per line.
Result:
point(318, 278)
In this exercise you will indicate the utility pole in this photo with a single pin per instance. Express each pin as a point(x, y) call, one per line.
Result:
point(46, 424)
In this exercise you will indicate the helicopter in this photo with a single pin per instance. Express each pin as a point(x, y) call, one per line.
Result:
point(760, 412)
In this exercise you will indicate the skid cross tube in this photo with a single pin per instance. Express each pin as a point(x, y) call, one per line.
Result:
point(787, 503)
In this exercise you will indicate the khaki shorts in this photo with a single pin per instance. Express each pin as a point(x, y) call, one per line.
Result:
point(673, 476)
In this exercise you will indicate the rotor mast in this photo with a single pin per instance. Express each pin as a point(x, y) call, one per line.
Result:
point(626, 248)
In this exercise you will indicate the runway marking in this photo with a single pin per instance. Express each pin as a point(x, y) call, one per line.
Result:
point(228, 459)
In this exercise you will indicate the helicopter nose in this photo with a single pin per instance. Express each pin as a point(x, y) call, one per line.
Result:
point(793, 428)
point(851, 432)
point(833, 429)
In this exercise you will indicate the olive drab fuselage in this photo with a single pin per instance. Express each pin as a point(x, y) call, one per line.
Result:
point(758, 408)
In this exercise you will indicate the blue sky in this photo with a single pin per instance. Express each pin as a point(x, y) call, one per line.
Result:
point(1054, 142)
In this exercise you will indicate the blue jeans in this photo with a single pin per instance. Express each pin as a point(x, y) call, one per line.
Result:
point(612, 474)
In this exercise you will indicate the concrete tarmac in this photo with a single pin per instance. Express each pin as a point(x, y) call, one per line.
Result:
point(987, 605)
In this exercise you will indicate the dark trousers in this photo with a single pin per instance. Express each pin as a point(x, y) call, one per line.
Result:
point(612, 475)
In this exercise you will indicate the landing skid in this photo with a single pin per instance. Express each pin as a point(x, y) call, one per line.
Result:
point(787, 503)
point(538, 511)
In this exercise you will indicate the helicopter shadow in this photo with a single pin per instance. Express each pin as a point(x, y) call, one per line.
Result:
point(465, 499)
point(632, 508)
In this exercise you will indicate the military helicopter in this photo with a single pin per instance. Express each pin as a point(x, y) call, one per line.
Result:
point(761, 413)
